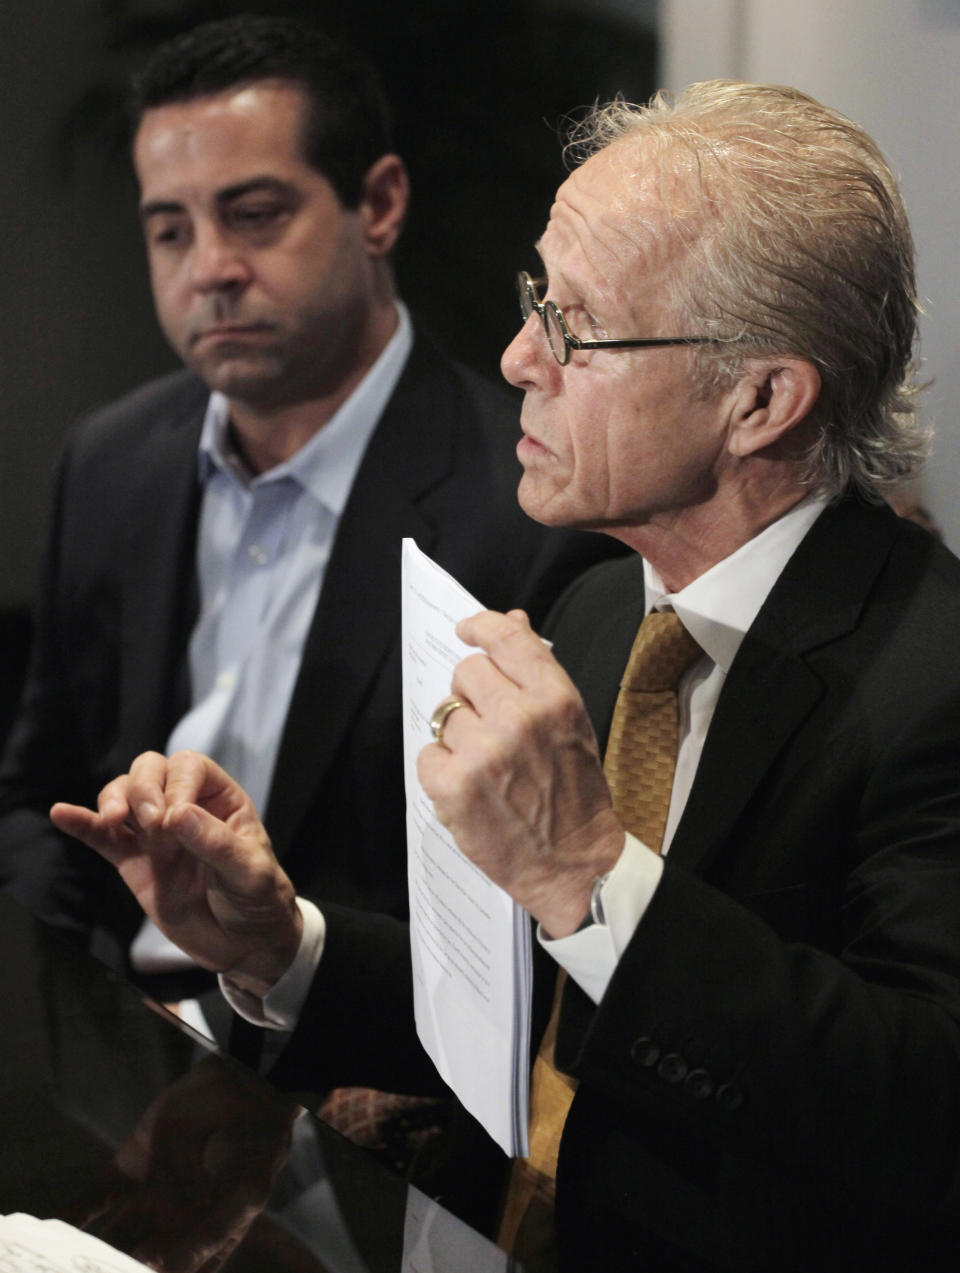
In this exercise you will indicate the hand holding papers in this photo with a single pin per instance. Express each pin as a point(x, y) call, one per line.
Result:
point(470, 941)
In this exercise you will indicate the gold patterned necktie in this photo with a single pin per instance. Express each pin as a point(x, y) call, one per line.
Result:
point(641, 754)
point(639, 765)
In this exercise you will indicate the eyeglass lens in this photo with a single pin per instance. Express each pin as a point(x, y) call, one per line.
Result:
point(528, 299)
point(548, 312)
point(555, 339)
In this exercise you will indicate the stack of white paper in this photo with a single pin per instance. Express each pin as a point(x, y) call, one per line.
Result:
point(472, 964)
point(28, 1245)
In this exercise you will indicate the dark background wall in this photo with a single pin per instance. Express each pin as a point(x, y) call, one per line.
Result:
point(479, 90)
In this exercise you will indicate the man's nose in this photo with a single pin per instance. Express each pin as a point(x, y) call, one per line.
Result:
point(526, 360)
point(218, 261)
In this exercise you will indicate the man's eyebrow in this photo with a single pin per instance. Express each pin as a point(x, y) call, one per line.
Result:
point(170, 207)
point(160, 207)
point(584, 293)
point(268, 185)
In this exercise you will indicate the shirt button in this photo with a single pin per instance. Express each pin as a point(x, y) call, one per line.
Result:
point(257, 554)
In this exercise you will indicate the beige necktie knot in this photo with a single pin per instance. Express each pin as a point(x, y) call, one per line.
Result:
point(662, 651)
point(641, 751)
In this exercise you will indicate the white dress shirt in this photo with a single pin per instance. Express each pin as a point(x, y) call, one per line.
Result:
point(717, 609)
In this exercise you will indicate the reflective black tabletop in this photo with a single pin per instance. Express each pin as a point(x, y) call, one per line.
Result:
point(117, 1118)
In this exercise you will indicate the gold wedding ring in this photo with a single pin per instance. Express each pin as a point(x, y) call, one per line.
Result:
point(439, 717)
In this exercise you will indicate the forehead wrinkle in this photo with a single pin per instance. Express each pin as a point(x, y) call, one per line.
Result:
point(614, 237)
point(581, 255)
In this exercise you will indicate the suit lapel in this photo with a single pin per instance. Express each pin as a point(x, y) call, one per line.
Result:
point(357, 620)
point(772, 687)
point(159, 588)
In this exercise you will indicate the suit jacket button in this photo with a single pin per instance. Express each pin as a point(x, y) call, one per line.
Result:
point(673, 1068)
point(698, 1084)
point(729, 1097)
point(645, 1052)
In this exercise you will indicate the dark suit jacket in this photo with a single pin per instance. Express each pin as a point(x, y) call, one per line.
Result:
point(772, 1080)
point(118, 598)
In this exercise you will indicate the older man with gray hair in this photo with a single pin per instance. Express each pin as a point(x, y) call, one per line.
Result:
point(730, 795)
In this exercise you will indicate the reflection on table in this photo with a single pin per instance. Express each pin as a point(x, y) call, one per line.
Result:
point(118, 1119)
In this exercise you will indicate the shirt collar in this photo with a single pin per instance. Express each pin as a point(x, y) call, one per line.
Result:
point(718, 608)
point(326, 465)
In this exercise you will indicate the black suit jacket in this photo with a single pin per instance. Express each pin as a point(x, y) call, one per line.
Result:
point(118, 598)
point(772, 1080)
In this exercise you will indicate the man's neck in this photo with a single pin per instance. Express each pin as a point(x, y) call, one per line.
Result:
point(682, 546)
point(265, 439)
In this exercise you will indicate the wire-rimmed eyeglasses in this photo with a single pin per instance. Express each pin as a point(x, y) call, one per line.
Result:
point(562, 340)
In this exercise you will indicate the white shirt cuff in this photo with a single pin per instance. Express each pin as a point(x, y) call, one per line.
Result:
point(280, 1008)
point(591, 954)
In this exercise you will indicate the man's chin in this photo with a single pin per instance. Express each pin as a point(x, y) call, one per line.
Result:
point(550, 509)
point(536, 504)
point(254, 382)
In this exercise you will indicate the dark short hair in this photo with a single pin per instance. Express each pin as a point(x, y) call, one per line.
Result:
point(348, 124)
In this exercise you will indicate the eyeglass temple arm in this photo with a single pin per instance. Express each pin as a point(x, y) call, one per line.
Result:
point(641, 343)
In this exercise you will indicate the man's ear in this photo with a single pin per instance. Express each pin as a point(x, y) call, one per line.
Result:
point(772, 397)
point(383, 204)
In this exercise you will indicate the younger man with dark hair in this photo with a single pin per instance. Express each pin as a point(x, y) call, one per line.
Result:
point(223, 564)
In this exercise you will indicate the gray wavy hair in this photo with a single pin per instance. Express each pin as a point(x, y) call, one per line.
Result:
point(798, 243)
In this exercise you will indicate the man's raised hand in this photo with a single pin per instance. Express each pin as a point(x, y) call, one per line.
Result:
point(188, 843)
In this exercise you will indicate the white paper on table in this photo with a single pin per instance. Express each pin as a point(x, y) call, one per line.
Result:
point(470, 942)
point(29, 1245)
